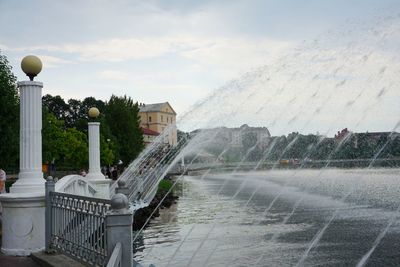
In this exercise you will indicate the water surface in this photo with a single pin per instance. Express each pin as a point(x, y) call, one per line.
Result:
point(278, 218)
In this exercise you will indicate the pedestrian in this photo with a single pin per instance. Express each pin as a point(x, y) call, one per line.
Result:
point(52, 169)
point(82, 173)
point(3, 177)
point(114, 173)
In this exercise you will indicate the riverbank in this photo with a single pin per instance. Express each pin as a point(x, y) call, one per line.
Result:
point(140, 217)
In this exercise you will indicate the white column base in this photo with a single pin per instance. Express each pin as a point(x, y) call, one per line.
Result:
point(102, 187)
point(23, 223)
point(24, 185)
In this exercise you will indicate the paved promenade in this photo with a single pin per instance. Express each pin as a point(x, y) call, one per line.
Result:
point(10, 261)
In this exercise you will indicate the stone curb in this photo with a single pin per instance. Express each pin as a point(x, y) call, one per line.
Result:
point(54, 260)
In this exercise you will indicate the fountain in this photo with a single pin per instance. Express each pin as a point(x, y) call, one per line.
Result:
point(340, 79)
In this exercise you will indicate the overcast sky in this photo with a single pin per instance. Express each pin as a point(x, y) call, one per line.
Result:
point(176, 51)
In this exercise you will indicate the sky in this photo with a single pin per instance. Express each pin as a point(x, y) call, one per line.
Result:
point(176, 51)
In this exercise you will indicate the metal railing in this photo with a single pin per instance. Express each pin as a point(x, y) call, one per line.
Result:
point(76, 226)
point(156, 156)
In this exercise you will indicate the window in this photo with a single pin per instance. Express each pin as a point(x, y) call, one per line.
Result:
point(162, 119)
point(149, 118)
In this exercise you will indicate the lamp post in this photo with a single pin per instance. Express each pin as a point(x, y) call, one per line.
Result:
point(94, 175)
point(23, 228)
point(30, 177)
point(94, 146)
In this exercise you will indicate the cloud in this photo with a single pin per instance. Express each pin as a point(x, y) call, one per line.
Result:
point(227, 55)
point(237, 53)
point(52, 62)
point(114, 75)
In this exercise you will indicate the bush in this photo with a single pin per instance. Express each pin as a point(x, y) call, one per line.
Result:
point(165, 185)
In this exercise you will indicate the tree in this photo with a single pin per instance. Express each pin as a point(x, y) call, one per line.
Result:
point(74, 113)
point(122, 117)
point(77, 152)
point(66, 147)
point(107, 151)
point(9, 114)
point(58, 116)
point(79, 112)
point(56, 105)
point(53, 138)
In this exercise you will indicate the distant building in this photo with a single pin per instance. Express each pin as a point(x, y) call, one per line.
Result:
point(371, 138)
point(159, 117)
point(260, 134)
point(237, 137)
point(149, 135)
point(342, 135)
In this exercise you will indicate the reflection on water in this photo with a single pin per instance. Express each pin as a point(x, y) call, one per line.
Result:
point(271, 219)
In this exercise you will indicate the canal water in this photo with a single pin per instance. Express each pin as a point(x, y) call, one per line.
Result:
point(327, 217)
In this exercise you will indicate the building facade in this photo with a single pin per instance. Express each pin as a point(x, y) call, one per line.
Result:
point(237, 137)
point(148, 135)
point(159, 118)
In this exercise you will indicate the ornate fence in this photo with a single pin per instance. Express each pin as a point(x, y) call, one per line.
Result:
point(85, 228)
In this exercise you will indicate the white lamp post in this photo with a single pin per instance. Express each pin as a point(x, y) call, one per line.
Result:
point(30, 177)
point(94, 146)
point(95, 176)
point(24, 208)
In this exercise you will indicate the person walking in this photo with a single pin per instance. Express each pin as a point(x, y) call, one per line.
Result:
point(82, 172)
point(3, 178)
point(114, 173)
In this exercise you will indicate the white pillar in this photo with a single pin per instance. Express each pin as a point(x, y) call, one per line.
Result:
point(24, 208)
point(94, 175)
point(30, 177)
point(94, 151)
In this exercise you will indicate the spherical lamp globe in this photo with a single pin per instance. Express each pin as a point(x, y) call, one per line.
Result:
point(94, 112)
point(32, 66)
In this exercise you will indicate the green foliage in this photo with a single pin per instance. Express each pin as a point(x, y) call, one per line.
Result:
point(311, 148)
point(66, 147)
point(122, 117)
point(77, 153)
point(53, 138)
point(61, 118)
point(56, 105)
point(107, 151)
point(165, 185)
point(9, 114)
point(120, 133)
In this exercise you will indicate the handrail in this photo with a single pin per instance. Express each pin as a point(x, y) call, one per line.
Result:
point(76, 227)
point(116, 256)
point(103, 201)
point(140, 180)
point(77, 185)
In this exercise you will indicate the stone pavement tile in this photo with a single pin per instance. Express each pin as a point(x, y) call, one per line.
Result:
point(56, 260)
point(11, 261)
